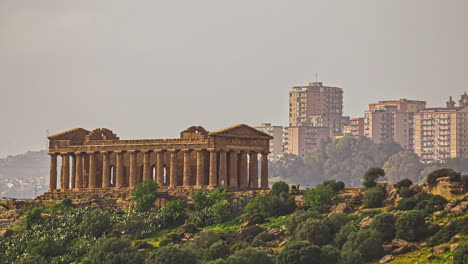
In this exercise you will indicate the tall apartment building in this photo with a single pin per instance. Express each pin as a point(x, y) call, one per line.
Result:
point(301, 140)
point(442, 133)
point(355, 127)
point(317, 105)
point(392, 121)
point(276, 145)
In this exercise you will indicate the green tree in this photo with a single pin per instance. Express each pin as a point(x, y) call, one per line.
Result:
point(46, 247)
point(367, 242)
point(350, 256)
point(217, 250)
point(385, 224)
point(279, 187)
point(373, 197)
point(113, 251)
point(201, 200)
point(222, 211)
point(404, 164)
point(249, 256)
point(411, 226)
point(32, 260)
point(172, 255)
point(461, 255)
point(145, 194)
point(314, 231)
point(32, 217)
point(95, 223)
point(299, 252)
point(370, 177)
point(173, 213)
point(329, 255)
point(445, 172)
point(320, 197)
point(342, 236)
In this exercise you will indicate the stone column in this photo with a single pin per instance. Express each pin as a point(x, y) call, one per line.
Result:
point(173, 170)
point(132, 182)
point(65, 177)
point(92, 170)
point(253, 170)
point(73, 173)
point(146, 166)
point(160, 168)
point(243, 170)
point(106, 170)
point(79, 170)
point(264, 171)
point(222, 181)
point(53, 172)
point(200, 168)
point(119, 179)
point(85, 170)
point(187, 170)
point(213, 169)
point(233, 182)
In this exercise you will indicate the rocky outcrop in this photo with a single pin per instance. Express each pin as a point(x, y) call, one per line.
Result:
point(365, 222)
point(340, 208)
point(457, 205)
point(386, 259)
point(399, 246)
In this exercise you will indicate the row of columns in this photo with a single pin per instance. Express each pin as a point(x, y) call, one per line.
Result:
point(242, 174)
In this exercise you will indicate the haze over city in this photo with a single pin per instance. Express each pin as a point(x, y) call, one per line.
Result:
point(151, 69)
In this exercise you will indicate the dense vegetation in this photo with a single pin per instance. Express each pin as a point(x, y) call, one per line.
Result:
point(346, 159)
point(218, 227)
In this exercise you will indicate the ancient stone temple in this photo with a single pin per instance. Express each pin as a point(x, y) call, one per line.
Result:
point(99, 159)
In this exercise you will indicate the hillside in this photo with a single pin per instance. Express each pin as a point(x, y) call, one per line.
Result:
point(401, 223)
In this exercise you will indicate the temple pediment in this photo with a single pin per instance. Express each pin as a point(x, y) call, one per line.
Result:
point(241, 130)
point(72, 134)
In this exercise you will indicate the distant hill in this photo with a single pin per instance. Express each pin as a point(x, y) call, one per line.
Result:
point(24, 175)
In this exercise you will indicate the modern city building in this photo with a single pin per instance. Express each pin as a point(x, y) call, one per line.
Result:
point(442, 133)
point(301, 140)
point(355, 127)
point(276, 144)
point(392, 121)
point(318, 106)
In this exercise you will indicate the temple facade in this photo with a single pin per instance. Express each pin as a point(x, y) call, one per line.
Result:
point(99, 159)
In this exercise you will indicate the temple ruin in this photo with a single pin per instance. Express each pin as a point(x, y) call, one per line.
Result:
point(99, 159)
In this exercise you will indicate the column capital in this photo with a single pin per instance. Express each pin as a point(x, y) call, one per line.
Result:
point(64, 153)
point(265, 152)
point(77, 153)
point(186, 150)
point(253, 152)
point(147, 151)
point(105, 152)
point(133, 151)
point(173, 150)
point(53, 153)
point(234, 151)
point(92, 152)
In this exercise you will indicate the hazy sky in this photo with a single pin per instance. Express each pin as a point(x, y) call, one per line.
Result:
point(149, 69)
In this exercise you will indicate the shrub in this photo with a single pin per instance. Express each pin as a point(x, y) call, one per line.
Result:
point(172, 255)
point(335, 185)
point(299, 252)
point(406, 192)
point(385, 224)
point(405, 183)
point(250, 232)
point(173, 213)
point(221, 211)
point(113, 251)
point(202, 218)
point(342, 236)
point(411, 226)
point(279, 187)
point(217, 250)
point(336, 221)
point(430, 203)
point(461, 255)
point(145, 194)
point(256, 219)
point(367, 242)
point(370, 177)
point(464, 181)
point(407, 204)
point(329, 255)
point(249, 255)
point(320, 197)
point(190, 228)
point(32, 260)
point(267, 205)
point(261, 238)
point(373, 197)
point(314, 231)
point(66, 203)
point(32, 217)
point(445, 172)
point(446, 233)
point(46, 247)
point(350, 256)
point(218, 194)
point(95, 223)
point(205, 239)
point(201, 200)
